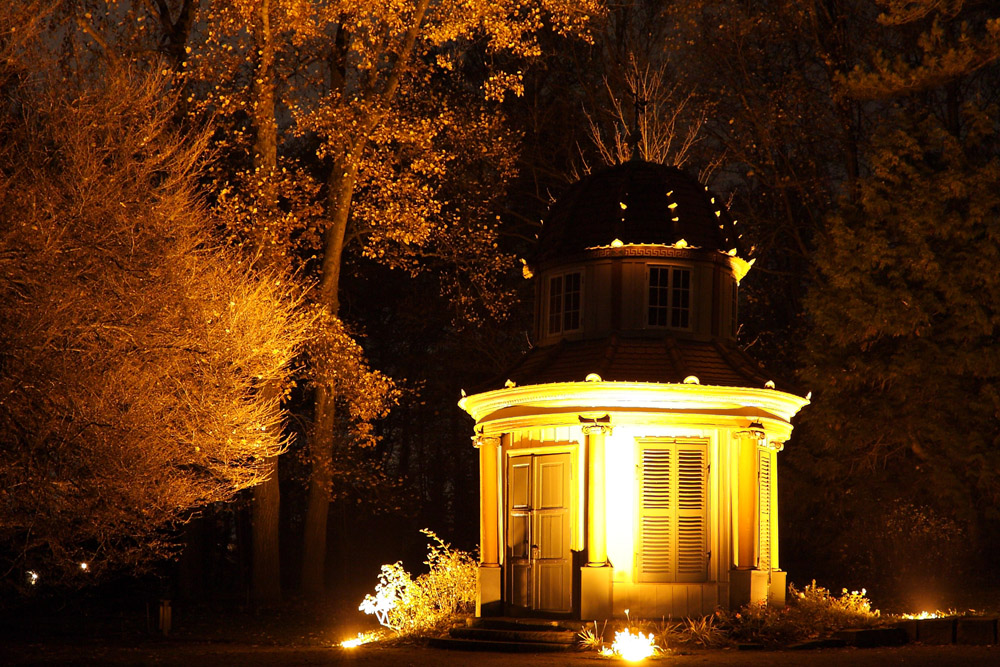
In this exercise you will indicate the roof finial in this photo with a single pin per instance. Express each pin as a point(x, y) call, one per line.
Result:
point(635, 134)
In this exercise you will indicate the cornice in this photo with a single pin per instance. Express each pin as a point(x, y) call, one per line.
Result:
point(498, 424)
point(738, 265)
point(632, 395)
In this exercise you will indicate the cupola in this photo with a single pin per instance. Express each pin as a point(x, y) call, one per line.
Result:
point(627, 460)
point(637, 270)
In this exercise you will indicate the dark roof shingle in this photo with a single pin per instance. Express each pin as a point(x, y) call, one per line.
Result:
point(623, 358)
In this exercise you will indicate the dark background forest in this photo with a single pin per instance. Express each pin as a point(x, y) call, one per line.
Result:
point(353, 187)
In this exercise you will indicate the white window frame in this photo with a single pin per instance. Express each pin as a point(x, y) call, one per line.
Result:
point(734, 322)
point(673, 294)
point(562, 311)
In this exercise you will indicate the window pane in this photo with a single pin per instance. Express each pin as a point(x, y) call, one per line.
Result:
point(571, 302)
point(734, 324)
point(680, 299)
point(659, 296)
point(555, 304)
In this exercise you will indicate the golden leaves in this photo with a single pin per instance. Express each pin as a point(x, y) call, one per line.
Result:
point(338, 362)
point(158, 347)
point(947, 48)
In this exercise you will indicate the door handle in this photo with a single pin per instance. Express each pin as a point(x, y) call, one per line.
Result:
point(534, 552)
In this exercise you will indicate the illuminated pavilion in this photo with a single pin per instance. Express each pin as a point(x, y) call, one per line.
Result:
point(629, 461)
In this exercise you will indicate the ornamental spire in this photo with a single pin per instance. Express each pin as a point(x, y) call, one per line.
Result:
point(635, 132)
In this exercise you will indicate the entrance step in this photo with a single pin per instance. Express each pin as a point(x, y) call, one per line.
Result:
point(511, 636)
point(499, 647)
point(525, 636)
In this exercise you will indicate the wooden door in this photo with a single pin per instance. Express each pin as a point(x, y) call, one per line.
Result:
point(539, 560)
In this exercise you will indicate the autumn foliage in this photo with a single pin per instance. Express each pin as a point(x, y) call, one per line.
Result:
point(132, 348)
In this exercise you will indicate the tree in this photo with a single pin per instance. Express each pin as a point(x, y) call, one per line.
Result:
point(904, 309)
point(376, 114)
point(134, 348)
point(383, 97)
point(380, 126)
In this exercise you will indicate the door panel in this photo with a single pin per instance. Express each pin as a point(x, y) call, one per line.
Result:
point(539, 532)
point(519, 531)
point(551, 486)
point(520, 487)
point(551, 544)
point(553, 587)
point(519, 535)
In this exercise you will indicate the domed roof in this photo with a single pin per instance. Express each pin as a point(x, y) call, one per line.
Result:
point(635, 202)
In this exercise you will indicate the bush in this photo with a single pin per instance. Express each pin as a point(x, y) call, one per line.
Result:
point(761, 624)
point(411, 606)
point(811, 612)
point(816, 608)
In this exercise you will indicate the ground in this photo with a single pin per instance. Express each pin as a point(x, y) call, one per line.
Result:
point(193, 654)
point(115, 631)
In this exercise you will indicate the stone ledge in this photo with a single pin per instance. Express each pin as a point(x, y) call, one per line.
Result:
point(873, 637)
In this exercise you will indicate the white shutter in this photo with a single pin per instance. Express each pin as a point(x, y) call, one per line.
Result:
point(673, 512)
point(764, 507)
point(692, 512)
point(656, 548)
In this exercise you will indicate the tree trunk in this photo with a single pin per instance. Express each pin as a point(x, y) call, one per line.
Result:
point(266, 564)
point(318, 507)
point(341, 183)
point(266, 575)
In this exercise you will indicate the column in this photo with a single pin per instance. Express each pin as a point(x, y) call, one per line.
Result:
point(746, 554)
point(746, 583)
point(597, 541)
point(488, 598)
point(595, 577)
point(779, 578)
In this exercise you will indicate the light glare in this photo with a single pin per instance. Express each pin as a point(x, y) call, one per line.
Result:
point(360, 640)
point(632, 647)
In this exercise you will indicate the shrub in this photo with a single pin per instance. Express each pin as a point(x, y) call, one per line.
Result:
point(411, 606)
point(759, 623)
point(816, 608)
point(811, 612)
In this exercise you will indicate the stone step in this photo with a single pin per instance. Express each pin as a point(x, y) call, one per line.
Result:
point(454, 644)
point(814, 644)
point(530, 624)
point(552, 636)
point(973, 630)
point(872, 637)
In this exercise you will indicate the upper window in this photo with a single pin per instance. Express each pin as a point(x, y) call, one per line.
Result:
point(734, 312)
point(564, 303)
point(669, 297)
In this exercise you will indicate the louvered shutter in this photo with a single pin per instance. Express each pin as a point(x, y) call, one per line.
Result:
point(764, 507)
point(656, 516)
point(673, 517)
point(692, 512)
